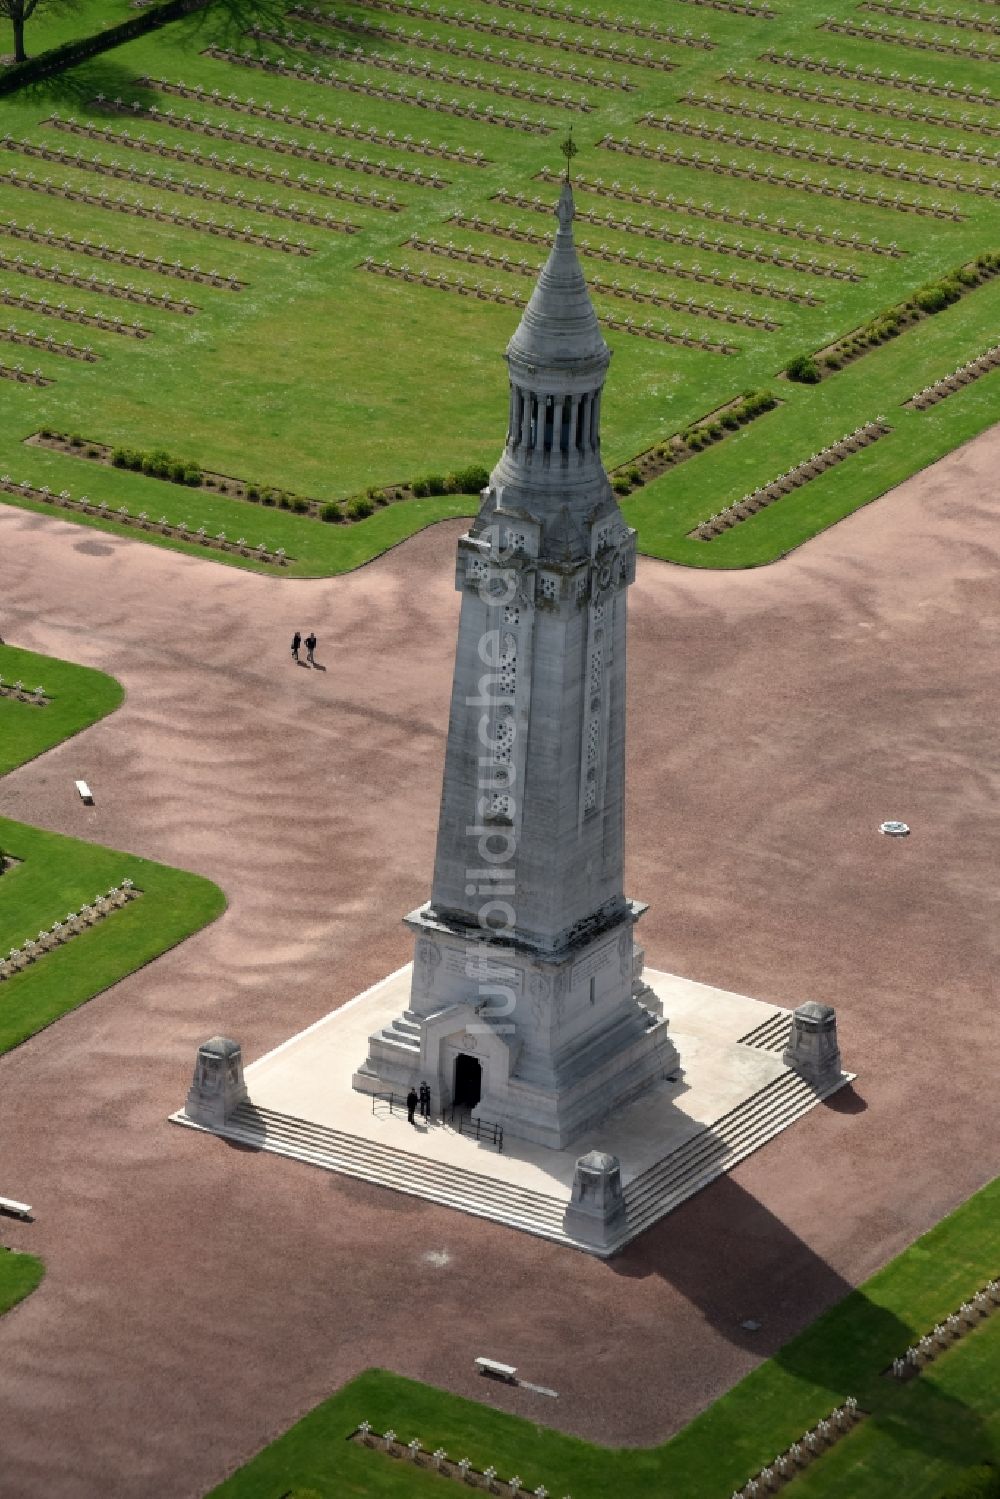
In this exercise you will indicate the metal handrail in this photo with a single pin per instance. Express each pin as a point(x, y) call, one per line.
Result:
point(490, 1130)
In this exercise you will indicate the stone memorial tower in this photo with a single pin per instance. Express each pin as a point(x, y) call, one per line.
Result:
point(527, 1001)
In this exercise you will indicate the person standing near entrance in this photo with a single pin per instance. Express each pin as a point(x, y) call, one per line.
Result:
point(411, 1105)
point(425, 1101)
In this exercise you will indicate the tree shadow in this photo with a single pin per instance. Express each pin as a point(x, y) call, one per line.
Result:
point(78, 87)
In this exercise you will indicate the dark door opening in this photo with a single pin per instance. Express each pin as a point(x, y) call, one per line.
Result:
point(468, 1088)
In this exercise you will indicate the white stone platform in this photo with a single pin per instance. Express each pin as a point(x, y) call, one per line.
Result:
point(731, 1097)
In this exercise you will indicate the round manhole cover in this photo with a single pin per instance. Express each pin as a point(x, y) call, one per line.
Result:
point(894, 829)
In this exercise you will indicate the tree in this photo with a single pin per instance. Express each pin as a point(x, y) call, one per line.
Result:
point(17, 12)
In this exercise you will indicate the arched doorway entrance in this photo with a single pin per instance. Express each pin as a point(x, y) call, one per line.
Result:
point(468, 1085)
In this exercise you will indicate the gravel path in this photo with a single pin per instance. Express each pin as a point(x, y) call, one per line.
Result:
point(200, 1298)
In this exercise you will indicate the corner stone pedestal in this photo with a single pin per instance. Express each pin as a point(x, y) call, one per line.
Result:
point(218, 1086)
point(812, 1046)
point(596, 1213)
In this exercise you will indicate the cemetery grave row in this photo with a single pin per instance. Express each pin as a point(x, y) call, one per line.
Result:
point(750, 172)
point(510, 31)
point(66, 314)
point(634, 292)
point(602, 21)
point(760, 254)
point(252, 169)
point(179, 531)
point(939, 17)
point(370, 134)
point(425, 70)
point(442, 282)
point(974, 369)
point(846, 128)
point(29, 338)
point(136, 208)
point(37, 698)
point(810, 468)
point(638, 261)
point(649, 197)
point(858, 73)
point(17, 265)
point(811, 1445)
point(924, 302)
point(121, 256)
point(822, 156)
point(75, 924)
point(418, 99)
point(895, 108)
point(467, 51)
point(22, 376)
point(970, 1315)
point(211, 194)
point(957, 47)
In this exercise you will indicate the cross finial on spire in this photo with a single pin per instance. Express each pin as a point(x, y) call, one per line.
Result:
point(569, 148)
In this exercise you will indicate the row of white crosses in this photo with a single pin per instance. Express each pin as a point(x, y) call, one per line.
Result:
point(103, 251)
point(18, 689)
point(61, 931)
point(94, 283)
point(945, 1333)
point(167, 527)
point(816, 464)
point(963, 375)
point(801, 1453)
point(415, 1449)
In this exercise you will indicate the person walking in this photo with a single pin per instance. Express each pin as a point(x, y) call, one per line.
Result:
point(425, 1101)
point(296, 642)
point(310, 647)
point(411, 1105)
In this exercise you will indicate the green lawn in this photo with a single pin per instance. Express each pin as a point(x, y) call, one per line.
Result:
point(57, 875)
point(917, 1436)
point(323, 379)
point(19, 1275)
point(79, 696)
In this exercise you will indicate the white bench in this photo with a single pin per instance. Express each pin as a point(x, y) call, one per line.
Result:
point(86, 795)
point(14, 1209)
point(494, 1370)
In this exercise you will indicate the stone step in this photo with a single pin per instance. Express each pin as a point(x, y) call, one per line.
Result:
point(386, 1165)
point(649, 1197)
point(771, 1035)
